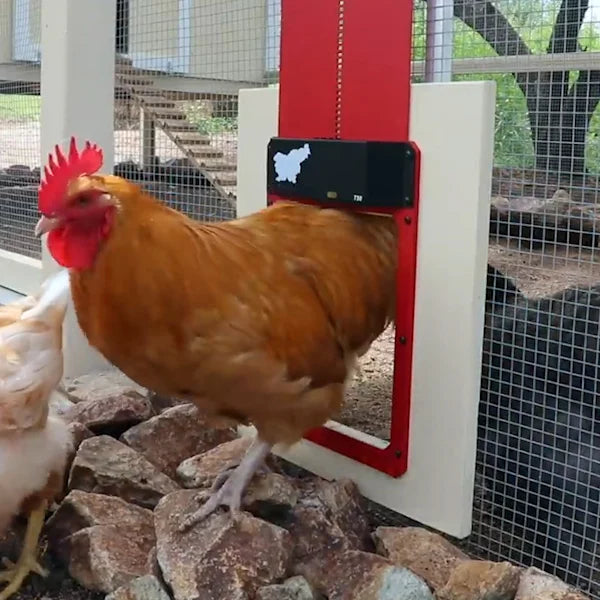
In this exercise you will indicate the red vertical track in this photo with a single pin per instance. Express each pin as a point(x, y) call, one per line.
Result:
point(345, 73)
point(307, 78)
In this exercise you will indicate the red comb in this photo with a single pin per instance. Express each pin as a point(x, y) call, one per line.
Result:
point(57, 174)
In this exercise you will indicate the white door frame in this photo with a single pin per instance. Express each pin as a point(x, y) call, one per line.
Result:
point(24, 47)
point(171, 64)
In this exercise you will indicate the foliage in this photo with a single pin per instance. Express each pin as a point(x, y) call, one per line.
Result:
point(212, 125)
point(201, 114)
point(534, 21)
point(19, 108)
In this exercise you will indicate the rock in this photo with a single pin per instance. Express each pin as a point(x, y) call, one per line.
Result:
point(427, 554)
point(294, 588)
point(347, 508)
point(112, 414)
point(220, 558)
point(201, 469)
point(80, 510)
point(101, 384)
point(328, 516)
point(357, 575)
point(147, 587)
point(270, 496)
point(106, 466)
point(481, 580)
point(174, 435)
point(161, 403)
point(18, 170)
point(538, 585)
point(314, 532)
point(104, 558)
point(79, 433)
point(104, 541)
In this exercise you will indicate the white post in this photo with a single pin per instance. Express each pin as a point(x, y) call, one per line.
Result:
point(77, 91)
point(456, 172)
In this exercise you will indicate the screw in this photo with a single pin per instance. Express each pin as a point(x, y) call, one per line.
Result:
point(407, 220)
point(403, 339)
point(409, 153)
point(398, 453)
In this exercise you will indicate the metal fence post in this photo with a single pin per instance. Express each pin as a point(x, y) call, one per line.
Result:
point(439, 40)
point(77, 98)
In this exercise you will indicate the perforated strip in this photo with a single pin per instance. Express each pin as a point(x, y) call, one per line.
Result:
point(340, 61)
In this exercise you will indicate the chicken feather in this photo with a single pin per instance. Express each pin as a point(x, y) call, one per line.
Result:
point(259, 319)
point(33, 445)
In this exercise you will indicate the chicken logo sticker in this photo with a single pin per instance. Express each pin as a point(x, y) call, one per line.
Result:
point(287, 166)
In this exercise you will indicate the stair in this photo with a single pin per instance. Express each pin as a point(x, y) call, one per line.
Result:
point(167, 116)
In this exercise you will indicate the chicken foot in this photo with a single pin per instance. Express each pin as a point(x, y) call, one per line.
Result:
point(222, 477)
point(229, 486)
point(27, 562)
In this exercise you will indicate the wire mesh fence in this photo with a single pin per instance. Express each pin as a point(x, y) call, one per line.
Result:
point(179, 66)
point(19, 125)
point(537, 496)
point(178, 71)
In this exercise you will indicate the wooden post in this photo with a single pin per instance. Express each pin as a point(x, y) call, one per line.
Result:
point(148, 138)
point(77, 98)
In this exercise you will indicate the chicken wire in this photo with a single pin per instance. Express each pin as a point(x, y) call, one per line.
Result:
point(179, 66)
point(19, 125)
point(536, 498)
point(536, 495)
point(178, 71)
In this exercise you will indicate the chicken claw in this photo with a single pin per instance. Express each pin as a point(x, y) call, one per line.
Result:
point(27, 562)
point(222, 477)
point(229, 486)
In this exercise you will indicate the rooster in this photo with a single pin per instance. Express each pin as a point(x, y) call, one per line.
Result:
point(33, 444)
point(257, 320)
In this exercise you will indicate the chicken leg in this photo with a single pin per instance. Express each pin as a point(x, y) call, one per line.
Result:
point(230, 486)
point(27, 562)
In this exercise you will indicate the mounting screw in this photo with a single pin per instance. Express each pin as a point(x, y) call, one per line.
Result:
point(408, 152)
point(407, 220)
point(398, 453)
point(403, 339)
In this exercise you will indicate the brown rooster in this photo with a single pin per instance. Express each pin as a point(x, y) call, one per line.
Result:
point(259, 319)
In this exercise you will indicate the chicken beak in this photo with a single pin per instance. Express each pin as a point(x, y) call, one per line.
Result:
point(44, 225)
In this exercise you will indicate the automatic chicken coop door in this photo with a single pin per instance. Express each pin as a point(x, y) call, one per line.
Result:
point(334, 151)
point(347, 129)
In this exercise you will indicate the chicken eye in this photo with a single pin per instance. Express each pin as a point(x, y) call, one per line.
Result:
point(83, 200)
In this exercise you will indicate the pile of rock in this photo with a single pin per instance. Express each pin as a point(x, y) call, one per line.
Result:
point(132, 479)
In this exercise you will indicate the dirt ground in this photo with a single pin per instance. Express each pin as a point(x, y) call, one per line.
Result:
point(537, 273)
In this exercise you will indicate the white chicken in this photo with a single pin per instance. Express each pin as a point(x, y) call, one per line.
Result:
point(34, 445)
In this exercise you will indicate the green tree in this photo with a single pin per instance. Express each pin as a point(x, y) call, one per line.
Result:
point(559, 104)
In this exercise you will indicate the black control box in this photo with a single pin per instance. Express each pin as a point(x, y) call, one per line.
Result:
point(366, 174)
